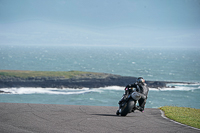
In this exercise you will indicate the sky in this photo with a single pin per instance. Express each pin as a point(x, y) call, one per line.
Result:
point(100, 22)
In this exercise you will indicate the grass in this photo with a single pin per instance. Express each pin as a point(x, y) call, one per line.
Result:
point(26, 74)
point(184, 115)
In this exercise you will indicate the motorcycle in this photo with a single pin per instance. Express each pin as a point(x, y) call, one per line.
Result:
point(129, 104)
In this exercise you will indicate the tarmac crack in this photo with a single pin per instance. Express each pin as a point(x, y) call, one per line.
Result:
point(36, 114)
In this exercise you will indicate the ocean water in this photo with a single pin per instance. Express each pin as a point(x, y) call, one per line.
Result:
point(153, 63)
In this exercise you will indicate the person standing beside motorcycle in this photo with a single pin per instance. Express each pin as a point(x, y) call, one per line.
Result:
point(141, 87)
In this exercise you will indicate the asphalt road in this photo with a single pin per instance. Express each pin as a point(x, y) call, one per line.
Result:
point(46, 118)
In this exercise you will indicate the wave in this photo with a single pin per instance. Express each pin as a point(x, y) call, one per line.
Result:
point(178, 87)
point(183, 84)
point(71, 91)
point(111, 88)
point(65, 91)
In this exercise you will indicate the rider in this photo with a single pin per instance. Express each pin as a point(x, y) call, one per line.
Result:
point(141, 87)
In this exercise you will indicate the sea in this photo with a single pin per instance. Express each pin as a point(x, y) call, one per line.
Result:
point(176, 64)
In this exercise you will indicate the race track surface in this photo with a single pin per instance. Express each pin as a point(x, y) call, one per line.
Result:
point(48, 118)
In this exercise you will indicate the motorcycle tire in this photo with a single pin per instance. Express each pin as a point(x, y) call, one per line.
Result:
point(127, 108)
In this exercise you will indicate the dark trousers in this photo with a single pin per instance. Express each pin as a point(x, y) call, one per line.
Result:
point(142, 102)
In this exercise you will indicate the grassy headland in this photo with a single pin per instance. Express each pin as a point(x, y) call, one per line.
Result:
point(184, 115)
point(61, 79)
point(69, 79)
point(27, 74)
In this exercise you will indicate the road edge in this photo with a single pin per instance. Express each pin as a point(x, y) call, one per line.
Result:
point(163, 115)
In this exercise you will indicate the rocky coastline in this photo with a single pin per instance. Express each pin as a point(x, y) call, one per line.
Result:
point(86, 81)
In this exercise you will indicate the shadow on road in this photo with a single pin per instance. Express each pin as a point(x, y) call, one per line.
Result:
point(106, 115)
point(111, 115)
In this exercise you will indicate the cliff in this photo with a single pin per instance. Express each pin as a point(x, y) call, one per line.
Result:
point(86, 80)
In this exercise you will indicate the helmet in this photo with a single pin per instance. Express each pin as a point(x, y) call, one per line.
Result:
point(140, 80)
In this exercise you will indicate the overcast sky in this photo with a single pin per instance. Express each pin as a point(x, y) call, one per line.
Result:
point(100, 22)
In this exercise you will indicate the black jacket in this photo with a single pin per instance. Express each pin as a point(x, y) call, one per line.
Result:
point(140, 87)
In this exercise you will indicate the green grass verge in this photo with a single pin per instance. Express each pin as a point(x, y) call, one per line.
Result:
point(26, 74)
point(184, 115)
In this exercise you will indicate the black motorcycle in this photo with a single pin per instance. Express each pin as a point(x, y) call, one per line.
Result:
point(129, 104)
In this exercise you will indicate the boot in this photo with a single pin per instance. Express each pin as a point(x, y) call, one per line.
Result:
point(117, 113)
point(141, 109)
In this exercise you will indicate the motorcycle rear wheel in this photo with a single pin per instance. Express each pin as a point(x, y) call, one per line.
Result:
point(127, 108)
